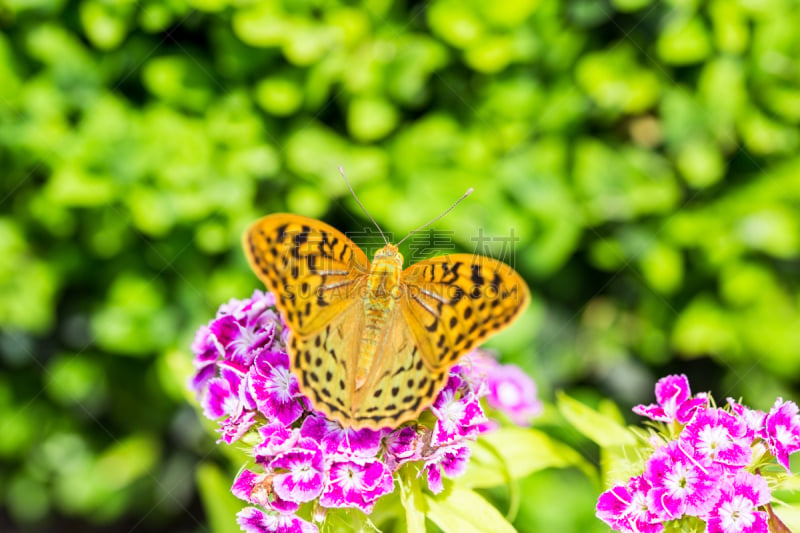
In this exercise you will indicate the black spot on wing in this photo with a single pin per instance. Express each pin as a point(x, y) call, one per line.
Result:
point(282, 232)
point(432, 327)
point(311, 263)
point(302, 237)
point(476, 277)
point(458, 294)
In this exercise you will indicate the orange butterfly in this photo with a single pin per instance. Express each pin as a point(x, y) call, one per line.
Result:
point(372, 344)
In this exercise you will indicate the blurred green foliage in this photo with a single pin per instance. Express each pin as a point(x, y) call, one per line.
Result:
point(643, 152)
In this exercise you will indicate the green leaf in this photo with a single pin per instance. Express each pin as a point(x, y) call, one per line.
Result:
point(279, 95)
point(513, 453)
point(370, 119)
point(219, 504)
point(461, 510)
point(600, 428)
point(130, 459)
point(684, 41)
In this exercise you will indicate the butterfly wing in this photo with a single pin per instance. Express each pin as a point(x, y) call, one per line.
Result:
point(323, 362)
point(317, 275)
point(454, 302)
point(313, 269)
point(450, 305)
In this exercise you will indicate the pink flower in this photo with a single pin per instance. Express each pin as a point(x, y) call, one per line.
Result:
point(254, 520)
point(719, 437)
point(626, 508)
point(456, 417)
point(277, 439)
point(355, 484)
point(452, 460)
point(674, 401)
point(206, 351)
point(299, 472)
point(697, 473)
point(274, 387)
point(248, 327)
point(737, 509)
point(401, 446)
point(513, 392)
point(681, 486)
point(782, 431)
point(257, 488)
point(753, 418)
point(234, 428)
point(224, 394)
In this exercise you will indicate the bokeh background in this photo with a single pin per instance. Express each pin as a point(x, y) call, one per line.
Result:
point(643, 153)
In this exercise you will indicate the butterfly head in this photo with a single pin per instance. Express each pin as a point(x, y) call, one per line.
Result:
point(389, 254)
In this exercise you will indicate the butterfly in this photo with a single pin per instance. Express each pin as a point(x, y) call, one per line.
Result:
point(372, 344)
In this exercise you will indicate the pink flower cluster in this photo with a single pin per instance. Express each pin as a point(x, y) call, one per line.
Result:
point(305, 464)
point(707, 465)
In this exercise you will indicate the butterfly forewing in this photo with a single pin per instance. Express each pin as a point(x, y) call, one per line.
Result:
point(313, 269)
point(455, 302)
point(316, 274)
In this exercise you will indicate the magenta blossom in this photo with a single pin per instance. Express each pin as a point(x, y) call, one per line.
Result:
point(782, 431)
point(681, 486)
point(737, 510)
point(335, 439)
point(257, 488)
point(401, 447)
point(300, 472)
point(353, 484)
point(452, 460)
point(254, 520)
point(626, 508)
point(753, 418)
point(719, 437)
point(513, 392)
point(675, 401)
point(274, 388)
point(458, 413)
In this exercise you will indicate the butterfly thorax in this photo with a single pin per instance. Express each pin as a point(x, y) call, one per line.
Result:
point(382, 292)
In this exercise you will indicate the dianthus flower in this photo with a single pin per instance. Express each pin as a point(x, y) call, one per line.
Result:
point(303, 463)
point(701, 465)
point(781, 431)
point(674, 401)
point(626, 508)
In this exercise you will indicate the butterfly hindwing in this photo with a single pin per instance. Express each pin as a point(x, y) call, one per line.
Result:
point(313, 269)
point(400, 386)
point(324, 363)
point(454, 302)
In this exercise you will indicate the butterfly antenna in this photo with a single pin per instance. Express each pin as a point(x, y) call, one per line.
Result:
point(463, 196)
point(341, 171)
